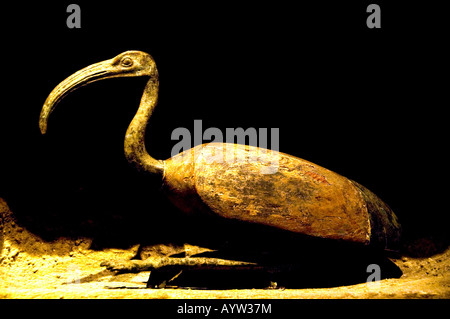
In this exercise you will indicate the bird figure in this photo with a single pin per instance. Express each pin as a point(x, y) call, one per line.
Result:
point(241, 182)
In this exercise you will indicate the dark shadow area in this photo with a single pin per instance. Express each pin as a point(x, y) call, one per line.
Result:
point(112, 215)
point(425, 244)
point(318, 273)
point(284, 259)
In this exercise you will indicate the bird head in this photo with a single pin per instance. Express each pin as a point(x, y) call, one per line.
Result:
point(126, 64)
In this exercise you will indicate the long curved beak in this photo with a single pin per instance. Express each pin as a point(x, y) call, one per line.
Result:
point(92, 73)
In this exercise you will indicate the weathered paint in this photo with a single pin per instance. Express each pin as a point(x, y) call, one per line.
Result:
point(300, 196)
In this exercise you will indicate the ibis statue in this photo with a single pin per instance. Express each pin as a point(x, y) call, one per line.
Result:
point(257, 186)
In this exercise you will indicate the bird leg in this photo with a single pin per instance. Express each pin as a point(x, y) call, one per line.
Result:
point(165, 269)
point(159, 263)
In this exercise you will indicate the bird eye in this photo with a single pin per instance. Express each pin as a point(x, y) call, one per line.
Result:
point(126, 62)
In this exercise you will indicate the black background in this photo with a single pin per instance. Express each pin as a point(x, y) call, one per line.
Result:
point(365, 103)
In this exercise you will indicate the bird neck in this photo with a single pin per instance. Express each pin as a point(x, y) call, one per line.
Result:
point(134, 145)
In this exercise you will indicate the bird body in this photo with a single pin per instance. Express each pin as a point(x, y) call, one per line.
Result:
point(297, 195)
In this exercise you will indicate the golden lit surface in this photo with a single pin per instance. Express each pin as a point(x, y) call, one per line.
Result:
point(67, 268)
